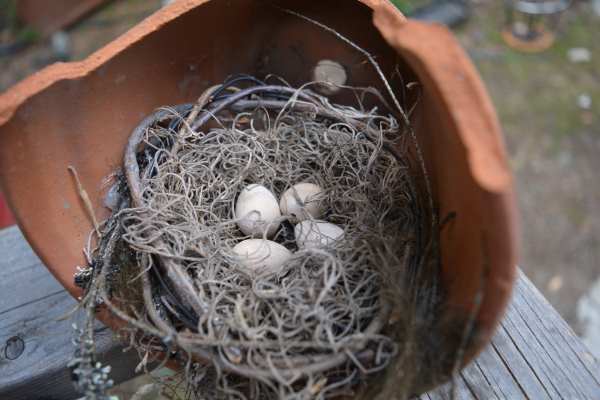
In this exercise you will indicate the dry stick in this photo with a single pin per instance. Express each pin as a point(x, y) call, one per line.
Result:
point(306, 107)
point(132, 170)
point(85, 198)
point(162, 324)
point(222, 104)
point(202, 101)
point(390, 92)
point(357, 48)
point(100, 285)
point(326, 362)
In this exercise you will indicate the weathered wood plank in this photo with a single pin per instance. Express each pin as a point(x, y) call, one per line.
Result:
point(32, 309)
point(20, 267)
point(570, 385)
point(477, 383)
point(499, 378)
point(514, 363)
point(41, 372)
point(532, 352)
point(559, 338)
point(444, 392)
point(553, 374)
point(534, 355)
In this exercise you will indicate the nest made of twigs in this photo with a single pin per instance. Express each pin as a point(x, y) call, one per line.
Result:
point(331, 316)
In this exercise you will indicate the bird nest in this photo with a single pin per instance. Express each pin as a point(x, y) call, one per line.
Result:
point(332, 313)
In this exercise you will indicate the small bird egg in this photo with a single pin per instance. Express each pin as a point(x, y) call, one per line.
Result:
point(260, 255)
point(301, 201)
point(331, 75)
point(310, 234)
point(257, 211)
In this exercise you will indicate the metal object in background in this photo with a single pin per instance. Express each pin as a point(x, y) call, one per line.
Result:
point(447, 12)
point(530, 24)
point(61, 45)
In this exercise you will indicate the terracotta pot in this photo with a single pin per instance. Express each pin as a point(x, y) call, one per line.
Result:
point(6, 218)
point(81, 114)
point(49, 16)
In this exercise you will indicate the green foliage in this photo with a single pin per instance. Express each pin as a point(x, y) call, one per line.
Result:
point(27, 35)
point(9, 22)
point(403, 5)
point(544, 84)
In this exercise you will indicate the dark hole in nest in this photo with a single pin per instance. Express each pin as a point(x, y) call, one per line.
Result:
point(333, 318)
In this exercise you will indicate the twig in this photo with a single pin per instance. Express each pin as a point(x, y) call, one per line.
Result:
point(85, 198)
point(322, 320)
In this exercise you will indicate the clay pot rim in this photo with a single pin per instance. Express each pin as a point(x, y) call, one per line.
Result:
point(487, 167)
point(16, 95)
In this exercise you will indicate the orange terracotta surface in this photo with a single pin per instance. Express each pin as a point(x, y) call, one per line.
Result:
point(6, 218)
point(81, 114)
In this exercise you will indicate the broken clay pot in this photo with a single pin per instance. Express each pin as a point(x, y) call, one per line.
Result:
point(82, 113)
point(6, 218)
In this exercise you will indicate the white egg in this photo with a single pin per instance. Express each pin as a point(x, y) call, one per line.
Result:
point(257, 211)
point(302, 201)
point(310, 234)
point(331, 75)
point(261, 256)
